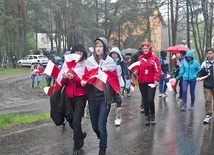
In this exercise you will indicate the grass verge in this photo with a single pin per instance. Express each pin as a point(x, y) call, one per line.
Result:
point(9, 120)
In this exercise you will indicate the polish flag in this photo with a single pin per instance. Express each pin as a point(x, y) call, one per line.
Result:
point(203, 78)
point(51, 69)
point(132, 86)
point(98, 80)
point(134, 66)
point(49, 90)
point(71, 60)
point(171, 84)
point(173, 59)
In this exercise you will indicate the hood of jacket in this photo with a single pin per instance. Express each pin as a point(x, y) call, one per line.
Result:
point(116, 50)
point(163, 53)
point(105, 46)
point(149, 54)
point(190, 54)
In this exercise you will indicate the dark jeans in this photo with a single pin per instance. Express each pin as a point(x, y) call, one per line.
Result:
point(181, 88)
point(148, 95)
point(78, 105)
point(33, 80)
point(192, 92)
point(162, 83)
point(48, 80)
point(99, 114)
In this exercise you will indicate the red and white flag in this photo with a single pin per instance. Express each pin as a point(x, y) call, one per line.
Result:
point(132, 86)
point(49, 90)
point(134, 66)
point(71, 60)
point(173, 59)
point(171, 84)
point(51, 69)
point(99, 80)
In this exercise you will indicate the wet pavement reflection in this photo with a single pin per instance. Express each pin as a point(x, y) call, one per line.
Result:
point(175, 133)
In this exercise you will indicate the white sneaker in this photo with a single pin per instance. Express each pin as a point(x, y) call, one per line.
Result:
point(164, 95)
point(207, 119)
point(117, 122)
point(160, 95)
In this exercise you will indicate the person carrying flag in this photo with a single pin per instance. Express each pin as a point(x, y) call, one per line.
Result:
point(103, 85)
point(148, 73)
point(208, 82)
point(77, 95)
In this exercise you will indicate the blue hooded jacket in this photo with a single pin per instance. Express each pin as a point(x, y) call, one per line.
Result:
point(189, 70)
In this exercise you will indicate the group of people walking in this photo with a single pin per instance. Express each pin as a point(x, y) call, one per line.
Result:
point(102, 79)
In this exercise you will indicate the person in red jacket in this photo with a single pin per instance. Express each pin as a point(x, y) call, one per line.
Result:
point(77, 95)
point(148, 75)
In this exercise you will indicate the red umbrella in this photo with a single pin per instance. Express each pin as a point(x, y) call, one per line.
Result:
point(177, 49)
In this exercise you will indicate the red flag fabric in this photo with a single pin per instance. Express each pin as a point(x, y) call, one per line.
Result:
point(173, 59)
point(134, 66)
point(51, 69)
point(49, 90)
point(97, 73)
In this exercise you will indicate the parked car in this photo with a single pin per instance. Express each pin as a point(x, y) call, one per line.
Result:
point(30, 59)
point(55, 58)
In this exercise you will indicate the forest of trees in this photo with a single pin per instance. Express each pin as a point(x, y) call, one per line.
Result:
point(67, 22)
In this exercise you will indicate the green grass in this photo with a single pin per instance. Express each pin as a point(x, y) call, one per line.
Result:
point(10, 70)
point(9, 120)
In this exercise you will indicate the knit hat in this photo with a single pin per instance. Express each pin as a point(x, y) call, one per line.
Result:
point(77, 47)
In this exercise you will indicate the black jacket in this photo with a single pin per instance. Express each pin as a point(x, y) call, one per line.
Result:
point(206, 68)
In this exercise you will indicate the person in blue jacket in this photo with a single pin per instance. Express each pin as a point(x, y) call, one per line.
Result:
point(189, 71)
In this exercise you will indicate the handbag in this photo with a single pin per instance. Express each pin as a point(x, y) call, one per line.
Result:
point(60, 106)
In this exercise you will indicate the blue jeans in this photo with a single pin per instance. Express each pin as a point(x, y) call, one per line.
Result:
point(162, 83)
point(99, 114)
point(192, 92)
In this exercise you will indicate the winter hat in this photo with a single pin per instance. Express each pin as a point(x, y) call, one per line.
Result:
point(79, 47)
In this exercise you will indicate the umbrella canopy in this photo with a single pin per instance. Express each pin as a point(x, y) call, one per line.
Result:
point(177, 49)
point(129, 51)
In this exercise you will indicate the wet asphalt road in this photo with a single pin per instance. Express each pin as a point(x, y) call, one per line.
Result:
point(176, 132)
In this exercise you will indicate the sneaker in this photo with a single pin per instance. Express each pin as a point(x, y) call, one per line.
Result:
point(164, 95)
point(207, 119)
point(118, 119)
point(147, 121)
point(128, 95)
point(142, 110)
point(184, 108)
point(117, 122)
point(160, 95)
point(191, 107)
point(153, 122)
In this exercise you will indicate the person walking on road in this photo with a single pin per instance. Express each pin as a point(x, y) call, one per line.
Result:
point(189, 71)
point(77, 95)
point(123, 77)
point(5, 61)
point(208, 82)
point(100, 94)
point(165, 72)
point(134, 58)
point(148, 74)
